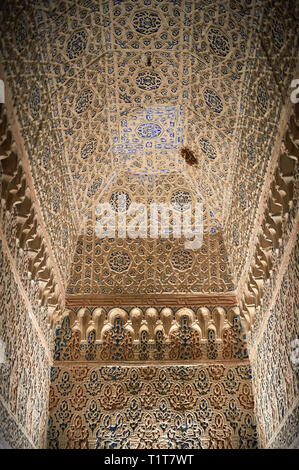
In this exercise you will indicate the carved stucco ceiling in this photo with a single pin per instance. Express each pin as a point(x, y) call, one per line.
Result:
point(149, 265)
point(108, 88)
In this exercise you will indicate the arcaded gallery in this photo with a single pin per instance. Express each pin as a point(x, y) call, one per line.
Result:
point(148, 224)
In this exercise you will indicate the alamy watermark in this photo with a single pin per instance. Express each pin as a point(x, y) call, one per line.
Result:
point(135, 221)
point(295, 93)
point(2, 92)
point(2, 352)
point(295, 352)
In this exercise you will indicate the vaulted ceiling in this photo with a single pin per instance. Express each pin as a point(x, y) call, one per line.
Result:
point(106, 93)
